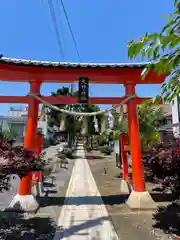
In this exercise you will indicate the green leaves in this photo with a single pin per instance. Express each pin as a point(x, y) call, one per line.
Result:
point(134, 49)
point(119, 126)
point(176, 3)
point(157, 100)
point(144, 46)
point(150, 117)
point(163, 52)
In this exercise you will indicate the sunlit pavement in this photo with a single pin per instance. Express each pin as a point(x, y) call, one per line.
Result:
point(83, 215)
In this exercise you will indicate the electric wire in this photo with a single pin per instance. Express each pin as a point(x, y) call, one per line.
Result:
point(54, 19)
point(63, 40)
point(53, 16)
point(49, 26)
point(70, 29)
point(60, 21)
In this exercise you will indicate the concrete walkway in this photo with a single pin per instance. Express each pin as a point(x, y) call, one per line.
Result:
point(83, 215)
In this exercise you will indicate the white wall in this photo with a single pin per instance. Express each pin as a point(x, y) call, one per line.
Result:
point(176, 117)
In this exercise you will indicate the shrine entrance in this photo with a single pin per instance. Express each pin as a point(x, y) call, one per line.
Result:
point(36, 73)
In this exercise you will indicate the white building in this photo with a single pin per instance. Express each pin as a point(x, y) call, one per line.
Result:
point(18, 112)
point(176, 117)
point(16, 121)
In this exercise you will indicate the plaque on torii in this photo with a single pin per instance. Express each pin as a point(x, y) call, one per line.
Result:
point(83, 92)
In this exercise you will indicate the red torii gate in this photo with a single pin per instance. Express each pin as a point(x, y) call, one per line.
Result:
point(38, 72)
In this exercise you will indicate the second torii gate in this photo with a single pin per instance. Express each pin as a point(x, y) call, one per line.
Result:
point(37, 72)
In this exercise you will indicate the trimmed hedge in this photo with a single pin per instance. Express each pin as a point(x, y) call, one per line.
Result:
point(162, 165)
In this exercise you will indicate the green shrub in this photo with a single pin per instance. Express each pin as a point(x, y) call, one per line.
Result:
point(61, 155)
point(101, 140)
point(68, 152)
point(116, 135)
point(107, 150)
point(88, 149)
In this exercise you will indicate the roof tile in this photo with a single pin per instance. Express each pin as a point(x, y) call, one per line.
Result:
point(22, 62)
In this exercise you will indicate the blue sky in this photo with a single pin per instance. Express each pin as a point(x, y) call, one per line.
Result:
point(102, 29)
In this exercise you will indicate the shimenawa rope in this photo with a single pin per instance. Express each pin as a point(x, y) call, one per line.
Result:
point(76, 114)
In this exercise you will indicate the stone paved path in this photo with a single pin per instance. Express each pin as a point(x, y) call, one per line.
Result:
point(83, 215)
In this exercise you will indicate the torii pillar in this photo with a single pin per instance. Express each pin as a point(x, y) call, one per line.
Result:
point(125, 187)
point(139, 198)
point(24, 200)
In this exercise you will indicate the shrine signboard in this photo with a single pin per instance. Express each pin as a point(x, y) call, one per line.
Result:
point(83, 90)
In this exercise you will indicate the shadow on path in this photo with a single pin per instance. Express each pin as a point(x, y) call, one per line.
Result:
point(164, 197)
point(85, 200)
point(74, 229)
point(93, 157)
point(168, 218)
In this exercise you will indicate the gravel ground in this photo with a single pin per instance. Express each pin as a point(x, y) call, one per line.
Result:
point(129, 225)
point(6, 197)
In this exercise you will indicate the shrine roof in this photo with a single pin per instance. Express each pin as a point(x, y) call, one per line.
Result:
point(12, 69)
point(49, 64)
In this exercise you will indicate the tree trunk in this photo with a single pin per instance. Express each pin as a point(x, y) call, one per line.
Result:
point(70, 139)
point(91, 142)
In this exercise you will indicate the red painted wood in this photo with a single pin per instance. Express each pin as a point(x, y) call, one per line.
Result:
point(134, 137)
point(68, 99)
point(38, 149)
point(70, 75)
point(30, 137)
point(14, 99)
point(123, 153)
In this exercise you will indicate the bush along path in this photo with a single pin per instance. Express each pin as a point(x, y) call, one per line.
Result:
point(162, 166)
point(15, 162)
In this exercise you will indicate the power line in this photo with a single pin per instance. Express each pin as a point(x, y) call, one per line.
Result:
point(70, 29)
point(53, 16)
point(60, 21)
point(63, 40)
point(49, 26)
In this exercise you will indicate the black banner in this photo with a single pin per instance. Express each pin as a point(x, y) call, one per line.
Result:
point(83, 89)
